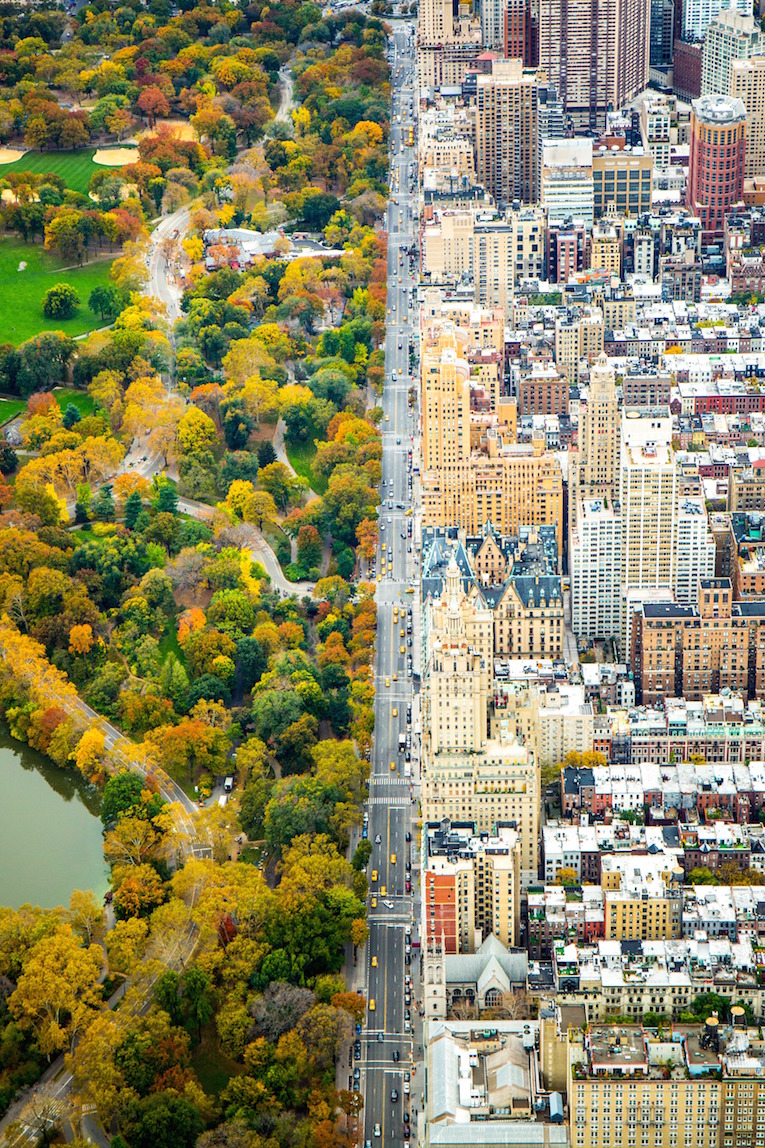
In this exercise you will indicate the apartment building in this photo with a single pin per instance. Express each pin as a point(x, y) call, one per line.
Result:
point(643, 898)
point(596, 561)
point(747, 83)
point(513, 487)
point(656, 114)
point(697, 15)
point(647, 498)
point(445, 397)
point(597, 59)
point(730, 36)
point(506, 132)
point(498, 784)
point(578, 338)
point(596, 463)
point(690, 651)
point(716, 160)
point(746, 490)
point(543, 390)
point(606, 248)
point(471, 886)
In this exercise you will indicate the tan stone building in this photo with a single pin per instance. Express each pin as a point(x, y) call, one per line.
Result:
point(747, 82)
point(746, 490)
point(606, 248)
point(528, 618)
point(445, 398)
point(643, 898)
point(511, 486)
point(622, 177)
point(471, 886)
point(578, 336)
point(621, 1091)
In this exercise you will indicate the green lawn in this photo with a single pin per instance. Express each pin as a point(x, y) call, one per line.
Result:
point(75, 167)
point(21, 314)
point(9, 408)
point(80, 399)
point(301, 455)
point(211, 1064)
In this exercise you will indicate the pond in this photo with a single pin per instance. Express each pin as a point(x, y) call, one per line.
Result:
point(50, 830)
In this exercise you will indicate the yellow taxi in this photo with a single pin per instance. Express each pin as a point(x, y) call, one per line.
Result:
point(393, 766)
point(387, 418)
point(393, 858)
point(373, 902)
point(374, 962)
point(403, 649)
point(384, 547)
point(395, 712)
point(395, 679)
point(402, 633)
point(372, 1005)
point(409, 511)
point(387, 680)
point(374, 874)
point(383, 892)
point(409, 590)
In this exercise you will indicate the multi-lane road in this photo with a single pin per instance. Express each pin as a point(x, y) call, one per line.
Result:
point(389, 1038)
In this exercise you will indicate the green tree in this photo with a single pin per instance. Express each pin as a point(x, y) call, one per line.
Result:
point(104, 509)
point(133, 507)
point(106, 301)
point(197, 999)
point(60, 301)
point(71, 416)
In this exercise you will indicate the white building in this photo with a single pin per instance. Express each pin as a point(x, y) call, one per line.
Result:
point(695, 549)
point(699, 14)
point(595, 552)
point(730, 36)
point(567, 184)
point(655, 120)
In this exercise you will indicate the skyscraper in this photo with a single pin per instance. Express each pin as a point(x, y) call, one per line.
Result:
point(596, 55)
point(506, 131)
point(716, 160)
point(597, 460)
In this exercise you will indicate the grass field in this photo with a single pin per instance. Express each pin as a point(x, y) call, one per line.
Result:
point(75, 167)
point(80, 399)
point(301, 455)
point(9, 408)
point(21, 314)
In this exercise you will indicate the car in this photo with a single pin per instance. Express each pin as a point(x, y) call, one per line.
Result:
point(388, 519)
point(367, 1144)
point(408, 887)
point(378, 1130)
point(357, 1074)
point(396, 1055)
point(384, 893)
point(380, 1037)
point(374, 962)
point(356, 1086)
point(357, 1054)
point(393, 858)
point(378, 838)
point(393, 766)
point(402, 649)
point(407, 1026)
point(374, 874)
point(409, 866)
point(387, 682)
point(389, 904)
point(406, 1084)
point(401, 633)
point(398, 442)
point(372, 1005)
point(387, 418)
point(394, 676)
point(408, 836)
point(373, 903)
point(407, 1132)
point(407, 1015)
point(394, 1095)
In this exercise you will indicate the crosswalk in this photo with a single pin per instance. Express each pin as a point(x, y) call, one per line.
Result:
point(394, 779)
point(392, 803)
